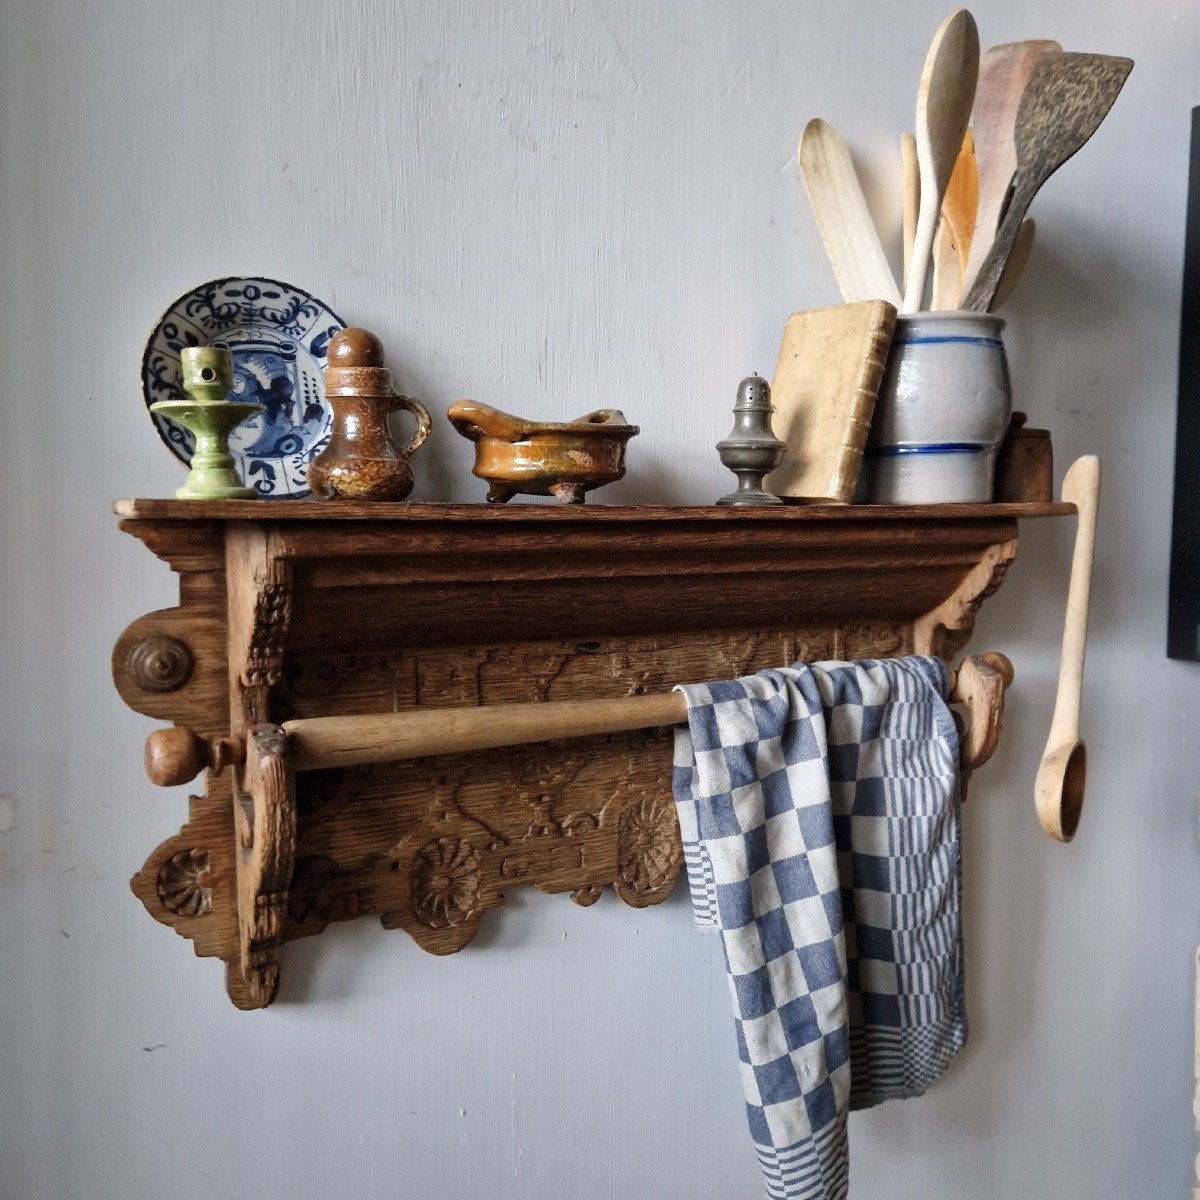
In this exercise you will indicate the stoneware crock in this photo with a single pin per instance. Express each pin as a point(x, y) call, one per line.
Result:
point(942, 411)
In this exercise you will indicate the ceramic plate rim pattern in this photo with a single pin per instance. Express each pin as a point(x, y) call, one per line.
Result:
point(298, 315)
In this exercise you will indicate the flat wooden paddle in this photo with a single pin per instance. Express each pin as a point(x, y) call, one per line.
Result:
point(1011, 276)
point(944, 99)
point(947, 274)
point(1067, 97)
point(836, 197)
point(952, 242)
point(1003, 73)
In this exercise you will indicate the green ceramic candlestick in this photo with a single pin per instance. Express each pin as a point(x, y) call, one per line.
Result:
point(207, 378)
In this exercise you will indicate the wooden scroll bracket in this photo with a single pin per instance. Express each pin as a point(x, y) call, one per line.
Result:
point(268, 757)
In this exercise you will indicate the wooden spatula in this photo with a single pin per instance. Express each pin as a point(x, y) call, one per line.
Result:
point(836, 197)
point(952, 242)
point(961, 202)
point(1067, 97)
point(1003, 74)
point(944, 99)
point(1022, 249)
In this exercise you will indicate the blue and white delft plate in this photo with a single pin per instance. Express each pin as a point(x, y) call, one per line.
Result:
point(278, 336)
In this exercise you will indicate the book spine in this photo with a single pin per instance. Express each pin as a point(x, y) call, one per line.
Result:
point(866, 388)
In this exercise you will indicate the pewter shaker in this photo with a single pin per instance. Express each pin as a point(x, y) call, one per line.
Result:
point(751, 450)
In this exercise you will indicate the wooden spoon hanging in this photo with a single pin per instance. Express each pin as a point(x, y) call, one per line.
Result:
point(944, 99)
point(1058, 790)
point(847, 231)
point(1003, 73)
point(1067, 97)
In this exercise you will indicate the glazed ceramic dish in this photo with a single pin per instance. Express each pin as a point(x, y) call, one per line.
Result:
point(543, 458)
point(278, 336)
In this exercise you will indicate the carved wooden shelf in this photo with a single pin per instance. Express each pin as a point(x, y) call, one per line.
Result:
point(297, 610)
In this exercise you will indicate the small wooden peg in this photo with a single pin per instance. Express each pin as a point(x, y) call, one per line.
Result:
point(980, 685)
point(177, 755)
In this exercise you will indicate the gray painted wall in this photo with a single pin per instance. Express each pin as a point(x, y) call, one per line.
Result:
point(549, 206)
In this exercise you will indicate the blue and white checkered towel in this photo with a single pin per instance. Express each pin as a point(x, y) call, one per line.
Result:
point(820, 819)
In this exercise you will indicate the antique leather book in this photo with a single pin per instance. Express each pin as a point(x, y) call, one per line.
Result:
point(829, 369)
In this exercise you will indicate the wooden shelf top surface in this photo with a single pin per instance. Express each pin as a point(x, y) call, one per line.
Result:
point(314, 510)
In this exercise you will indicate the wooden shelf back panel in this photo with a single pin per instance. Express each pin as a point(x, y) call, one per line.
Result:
point(291, 610)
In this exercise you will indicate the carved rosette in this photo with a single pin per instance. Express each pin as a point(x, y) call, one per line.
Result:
point(445, 878)
point(649, 850)
point(446, 885)
point(183, 883)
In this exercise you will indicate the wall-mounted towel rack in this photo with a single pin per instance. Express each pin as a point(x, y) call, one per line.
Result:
point(407, 709)
point(177, 755)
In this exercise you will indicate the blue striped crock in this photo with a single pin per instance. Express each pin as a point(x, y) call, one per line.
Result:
point(942, 411)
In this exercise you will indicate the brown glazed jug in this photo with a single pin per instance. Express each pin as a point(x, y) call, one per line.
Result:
point(362, 461)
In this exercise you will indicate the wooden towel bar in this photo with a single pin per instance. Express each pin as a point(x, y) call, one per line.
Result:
point(175, 756)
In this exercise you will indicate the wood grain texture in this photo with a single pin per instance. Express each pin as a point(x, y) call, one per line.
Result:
point(847, 231)
point(944, 98)
point(1017, 261)
point(1058, 788)
point(1066, 98)
point(956, 229)
point(830, 364)
point(1003, 73)
point(330, 619)
point(182, 518)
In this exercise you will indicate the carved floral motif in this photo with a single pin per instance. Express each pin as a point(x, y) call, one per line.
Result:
point(446, 883)
point(649, 851)
point(183, 885)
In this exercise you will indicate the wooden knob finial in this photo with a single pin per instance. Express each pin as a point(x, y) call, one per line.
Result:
point(177, 755)
point(354, 348)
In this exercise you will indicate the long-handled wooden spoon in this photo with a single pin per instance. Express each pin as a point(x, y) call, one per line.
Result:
point(836, 197)
point(1066, 98)
point(944, 99)
point(1003, 74)
point(1058, 790)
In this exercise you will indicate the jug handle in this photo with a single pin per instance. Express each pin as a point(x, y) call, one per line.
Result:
point(424, 424)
